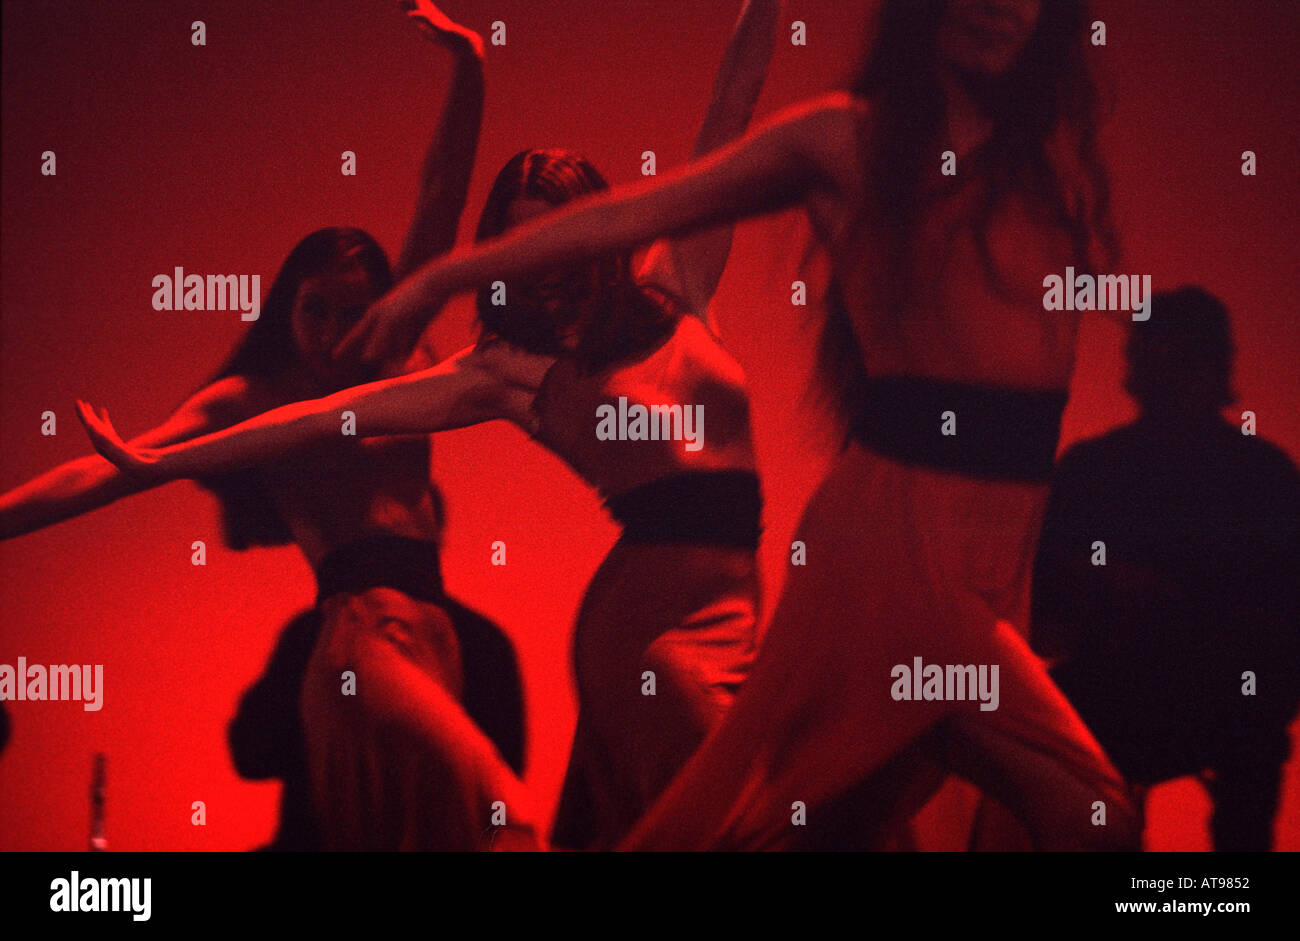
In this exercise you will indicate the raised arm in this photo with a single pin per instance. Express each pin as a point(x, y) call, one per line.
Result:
point(444, 178)
point(464, 390)
point(774, 167)
point(91, 482)
point(690, 268)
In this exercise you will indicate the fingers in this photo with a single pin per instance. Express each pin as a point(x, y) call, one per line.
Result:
point(437, 25)
point(430, 11)
point(98, 427)
point(366, 344)
point(94, 424)
point(350, 347)
point(105, 438)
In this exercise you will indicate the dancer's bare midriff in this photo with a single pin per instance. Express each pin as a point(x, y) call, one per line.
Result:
point(340, 492)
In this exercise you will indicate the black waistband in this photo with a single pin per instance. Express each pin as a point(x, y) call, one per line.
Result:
point(410, 565)
point(997, 433)
point(714, 508)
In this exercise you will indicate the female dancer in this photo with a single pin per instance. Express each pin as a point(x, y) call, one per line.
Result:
point(919, 542)
point(367, 521)
point(655, 669)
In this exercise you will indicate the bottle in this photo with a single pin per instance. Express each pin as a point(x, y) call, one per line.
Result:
point(98, 842)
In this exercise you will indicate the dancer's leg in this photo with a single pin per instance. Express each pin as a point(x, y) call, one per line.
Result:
point(1036, 757)
point(887, 582)
point(815, 718)
point(1246, 788)
point(681, 618)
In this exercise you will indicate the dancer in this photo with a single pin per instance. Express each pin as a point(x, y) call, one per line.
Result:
point(919, 543)
point(655, 669)
point(266, 735)
point(367, 521)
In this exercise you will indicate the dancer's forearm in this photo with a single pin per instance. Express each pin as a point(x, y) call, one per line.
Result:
point(449, 161)
point(62, 493)
point(269, 437)
point(453, 394)
point(766, 171)
point(691, 267)
point(90, 482)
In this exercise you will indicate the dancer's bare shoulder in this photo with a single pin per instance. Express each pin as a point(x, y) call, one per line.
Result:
point(836, 111)
point(829, 136)
point(828, 132)
point(232, 399)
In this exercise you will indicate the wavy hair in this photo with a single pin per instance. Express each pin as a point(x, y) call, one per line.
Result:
point(249, 517)
point(1045, 96)
point(631, 318)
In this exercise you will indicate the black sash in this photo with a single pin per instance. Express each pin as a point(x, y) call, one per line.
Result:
point(409, 565)
point(1001, 433)
point(711, 508)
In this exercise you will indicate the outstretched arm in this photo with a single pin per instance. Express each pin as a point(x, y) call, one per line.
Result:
point(444, 178)
point(774, 167)
point(690, 268)
point(91, 482)
point(461, 391)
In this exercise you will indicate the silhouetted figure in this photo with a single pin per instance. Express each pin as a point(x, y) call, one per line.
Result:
point(1201, 526)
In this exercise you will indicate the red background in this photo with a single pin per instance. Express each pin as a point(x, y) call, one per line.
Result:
point(219, 158)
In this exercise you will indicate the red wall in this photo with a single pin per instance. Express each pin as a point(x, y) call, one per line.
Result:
point(220, 158)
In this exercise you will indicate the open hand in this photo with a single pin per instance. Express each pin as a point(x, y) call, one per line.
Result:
point(368, 343)
point(388, 331)
point(136, 461)
point(439, 27)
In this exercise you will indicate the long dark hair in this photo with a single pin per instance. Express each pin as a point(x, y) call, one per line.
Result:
point(249, 518)
point(631, 318)
point(1046, 91)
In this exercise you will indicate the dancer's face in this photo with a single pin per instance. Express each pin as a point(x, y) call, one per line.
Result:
point(325, 308)
point(566, 299)
point(985, 36)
